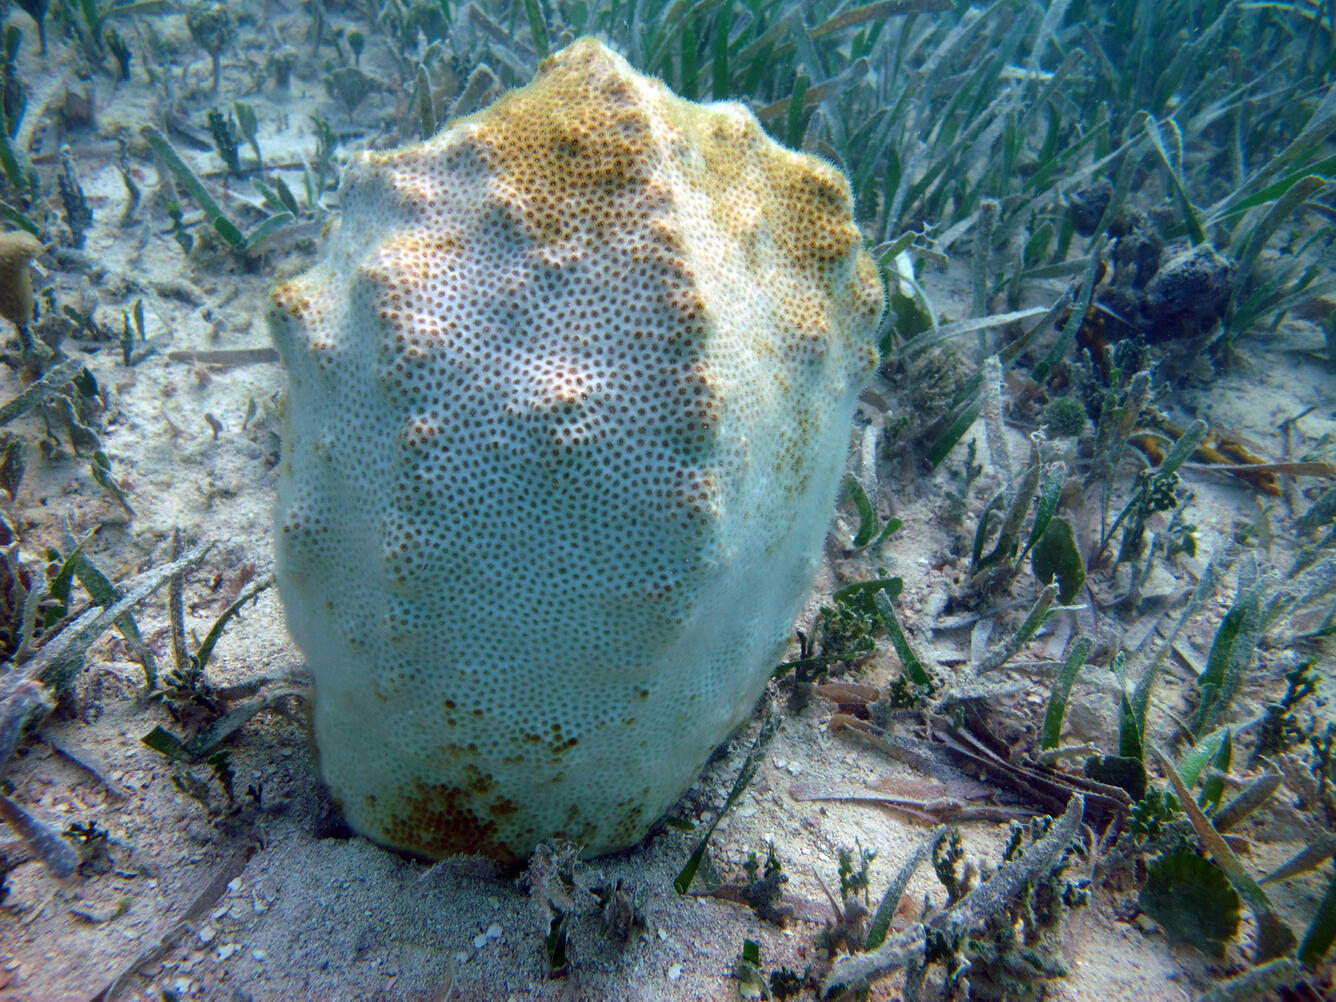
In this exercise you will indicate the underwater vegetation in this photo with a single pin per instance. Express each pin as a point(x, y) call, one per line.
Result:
point(1136, 198)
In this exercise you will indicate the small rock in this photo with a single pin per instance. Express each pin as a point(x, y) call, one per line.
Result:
point(259, 956)
point(493, 931)
point(226, 950)
point(1189, 293)
point(206, 934)
point(674, 972)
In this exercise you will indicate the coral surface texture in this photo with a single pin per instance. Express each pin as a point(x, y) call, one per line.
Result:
point(569, 399)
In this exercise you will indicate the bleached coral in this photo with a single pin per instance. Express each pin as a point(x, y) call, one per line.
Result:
point(569, 400)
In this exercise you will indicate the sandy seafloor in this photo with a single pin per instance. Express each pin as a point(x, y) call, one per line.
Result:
point(286, 915)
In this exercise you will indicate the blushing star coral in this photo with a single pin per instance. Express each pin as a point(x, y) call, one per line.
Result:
point(569, 399)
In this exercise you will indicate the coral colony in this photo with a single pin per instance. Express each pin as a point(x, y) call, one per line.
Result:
point(569, 397)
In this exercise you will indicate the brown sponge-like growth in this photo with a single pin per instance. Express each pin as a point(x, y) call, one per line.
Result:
point(17, 249)
point(568, 406)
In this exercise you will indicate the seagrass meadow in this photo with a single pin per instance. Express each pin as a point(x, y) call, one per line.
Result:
point(1053, 720)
